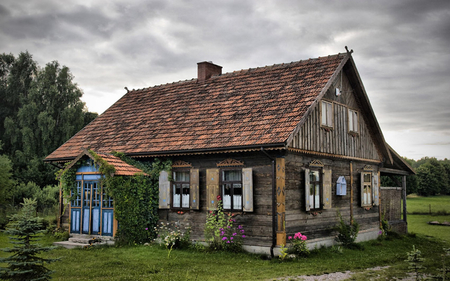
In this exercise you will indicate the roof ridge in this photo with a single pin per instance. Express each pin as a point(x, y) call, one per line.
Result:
point(236, 72)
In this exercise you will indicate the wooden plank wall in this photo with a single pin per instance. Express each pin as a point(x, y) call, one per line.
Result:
point(257, 224)
point(313, 137)
point(320, 224)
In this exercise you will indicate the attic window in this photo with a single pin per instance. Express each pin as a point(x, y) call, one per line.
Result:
point(353, 121)
point(326, 114)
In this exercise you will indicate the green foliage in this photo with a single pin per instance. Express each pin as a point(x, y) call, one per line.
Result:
point(221, 232)
point(298, 245)
point(415, 261)
point(347, 233)
point(24, 263)
point(42, 110)
point(433, 178)
point(45, 198)
point(6, 182)
point(173, 236)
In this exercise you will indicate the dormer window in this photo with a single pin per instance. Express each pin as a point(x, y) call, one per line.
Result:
point(352, 121)
point(326, 114)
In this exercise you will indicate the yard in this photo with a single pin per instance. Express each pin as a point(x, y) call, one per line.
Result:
point(156, 263)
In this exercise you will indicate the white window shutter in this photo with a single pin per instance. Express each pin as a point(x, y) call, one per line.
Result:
point(327, 194)
point(247, 182)
point(362, 189)
point(307, 208)
point(375, 189)
point(164, 190)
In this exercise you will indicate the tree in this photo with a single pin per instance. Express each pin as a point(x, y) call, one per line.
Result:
point(24, 264)
point(44, 111)
point(432, 178)
point(6, 183)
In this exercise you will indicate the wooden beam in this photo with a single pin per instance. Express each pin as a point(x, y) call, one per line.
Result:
point(393, 171)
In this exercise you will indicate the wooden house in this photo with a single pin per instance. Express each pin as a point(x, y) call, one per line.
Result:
point(287, 146)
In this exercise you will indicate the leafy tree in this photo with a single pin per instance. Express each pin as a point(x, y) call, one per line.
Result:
point(44, 111)
point(432, 178)
point(24, 264)
point(6, 183)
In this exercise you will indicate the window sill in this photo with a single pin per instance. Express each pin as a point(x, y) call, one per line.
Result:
point(353, 134)
point(326, 128)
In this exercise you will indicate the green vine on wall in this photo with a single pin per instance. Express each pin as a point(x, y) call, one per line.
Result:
point(135, 197)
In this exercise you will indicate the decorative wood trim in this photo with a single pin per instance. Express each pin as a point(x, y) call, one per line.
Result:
point(304, 151)
point(230, 163)
point(368, 168)
point(316, 163)
point(181, 164)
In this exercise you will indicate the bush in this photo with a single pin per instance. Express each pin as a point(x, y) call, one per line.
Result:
point(172, 237)
point(221, 233)
point(298, 245)
point(347, 233)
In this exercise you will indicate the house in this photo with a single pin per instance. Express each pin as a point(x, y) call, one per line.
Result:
point(287, 146)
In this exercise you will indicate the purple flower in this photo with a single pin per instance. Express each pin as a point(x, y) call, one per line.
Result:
point(224, 238)
point(146, 228)
point(243, 236)
point(228, 241)
point(220, 228)
point(234, 234)
point(229, 226)
point(242, 231)
point(231, 238)
point(222, 233)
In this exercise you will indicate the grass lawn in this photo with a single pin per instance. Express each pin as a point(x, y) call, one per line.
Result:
point(154, 263)
point(422, 205)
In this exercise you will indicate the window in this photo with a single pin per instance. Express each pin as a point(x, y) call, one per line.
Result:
point(327, 114)
point(366, 189)
point(180, 189)
point(182, 192)
point(232, 189)
point(314, 189)
point(352, 120)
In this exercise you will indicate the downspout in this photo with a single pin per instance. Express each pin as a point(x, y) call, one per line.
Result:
point(274, 204)
point(351, 192)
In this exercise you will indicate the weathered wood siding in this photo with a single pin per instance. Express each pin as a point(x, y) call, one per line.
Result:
point(319, 224)
point(257, 224)
point(338, 140)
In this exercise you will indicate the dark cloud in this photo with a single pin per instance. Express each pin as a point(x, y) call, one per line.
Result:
point(401, 47)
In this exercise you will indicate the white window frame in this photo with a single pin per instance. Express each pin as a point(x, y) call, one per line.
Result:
point(181, 201)
point(353, 122)
point(326, 114)
point(232, 202)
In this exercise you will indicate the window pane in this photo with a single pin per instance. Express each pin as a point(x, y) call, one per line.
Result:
point(181, 176)
point(317, 197)
point(232, 175)
point(329, 114)
point(176, 195)
point(367, 178)
point(324, 113)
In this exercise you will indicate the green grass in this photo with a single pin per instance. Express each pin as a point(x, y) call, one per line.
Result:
point(422, 205)
point(419, 224)
point(153, 262)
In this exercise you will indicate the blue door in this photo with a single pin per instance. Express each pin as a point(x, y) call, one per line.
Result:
point(75, 213)
point(86, 207)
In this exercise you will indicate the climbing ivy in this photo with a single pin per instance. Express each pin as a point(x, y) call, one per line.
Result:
point(135, 197)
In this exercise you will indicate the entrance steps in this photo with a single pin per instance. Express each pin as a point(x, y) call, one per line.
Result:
point(85, 241)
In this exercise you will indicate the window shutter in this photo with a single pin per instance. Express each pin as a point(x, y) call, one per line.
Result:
point(307, 190)
point(247, 183)
point(194, 190)
point(375, 189)
point(326, 199)
point(164, 190)
point(212, 188)
point(362, 189)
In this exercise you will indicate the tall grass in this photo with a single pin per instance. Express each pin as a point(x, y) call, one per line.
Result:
point(439, 205)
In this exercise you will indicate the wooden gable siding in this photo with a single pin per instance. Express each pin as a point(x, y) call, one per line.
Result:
point(338, 140)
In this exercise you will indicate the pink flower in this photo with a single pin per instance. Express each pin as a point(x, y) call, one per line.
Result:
point(289, 237)
point(146, 228)
point(219, 198)
point(303, 237)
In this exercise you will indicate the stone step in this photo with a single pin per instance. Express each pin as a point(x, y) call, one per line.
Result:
point(80, 241)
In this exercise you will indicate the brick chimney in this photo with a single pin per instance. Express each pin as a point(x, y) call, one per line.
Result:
point(207, 69)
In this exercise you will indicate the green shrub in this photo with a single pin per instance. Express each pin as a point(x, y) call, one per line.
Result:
point(347, 233)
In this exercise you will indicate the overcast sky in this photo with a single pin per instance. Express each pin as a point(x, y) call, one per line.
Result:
point(401, 49)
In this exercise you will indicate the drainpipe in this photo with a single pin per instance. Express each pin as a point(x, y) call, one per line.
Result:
point(274, 204)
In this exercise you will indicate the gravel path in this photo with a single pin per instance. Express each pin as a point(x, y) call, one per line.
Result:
point(332, 276)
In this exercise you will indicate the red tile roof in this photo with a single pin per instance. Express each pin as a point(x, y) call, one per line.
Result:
point(259, 106)
point(122, 168)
